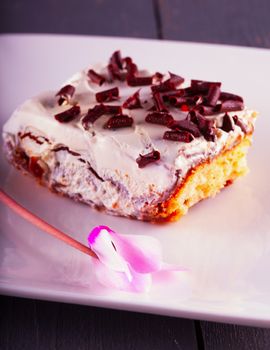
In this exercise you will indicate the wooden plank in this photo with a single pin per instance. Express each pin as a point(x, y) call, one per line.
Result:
point(96, 17)
point(241, 22)
point(30, 324)
point(232, 337)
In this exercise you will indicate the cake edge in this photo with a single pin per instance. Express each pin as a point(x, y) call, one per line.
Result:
point(227, 166)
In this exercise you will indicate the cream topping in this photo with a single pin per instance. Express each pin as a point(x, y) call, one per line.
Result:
point(113, 153)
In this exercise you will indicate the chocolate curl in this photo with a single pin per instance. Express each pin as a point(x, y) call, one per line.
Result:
point(205, 110)
point(206, 126)
point(230, 106)
point(202, 86)
point(159, 118)
point(95, 77)
point(133, 101)
point(170, 84)
point(92, 115)
point(115, 66)
point(177, 101)
point(112, 109)
point(68, 115)
point(228, 96)
point(65, 94)
point(173, 93)
point(213, 95)
point(239, 123)
point(144, 160)
point(107, 95)
point(227, 123)
point(119, 121)
point(186, 125)
point(130, 66)
point(157, 78)
point(179, 136)
point(139, 81)
point(159, 102)
point(116, 60)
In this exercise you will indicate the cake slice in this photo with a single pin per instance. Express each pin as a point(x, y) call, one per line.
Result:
point(134, 144)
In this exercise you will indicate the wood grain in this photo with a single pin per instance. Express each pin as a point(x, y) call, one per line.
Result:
point(219, 336)
point(96, 17)
point(29, 324)
point(241, 22)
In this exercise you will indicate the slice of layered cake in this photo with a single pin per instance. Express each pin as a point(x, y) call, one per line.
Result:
point(134, 144)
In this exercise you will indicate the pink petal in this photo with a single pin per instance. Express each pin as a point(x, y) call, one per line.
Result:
point(118, 280)
point(101, 243)
point(143, 253)
point(128, 262)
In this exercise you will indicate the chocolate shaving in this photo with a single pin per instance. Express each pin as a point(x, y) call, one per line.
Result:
point(227, 123)
point(119, 121)
point(160, 88)
point(159, 102)
point(148, 158)
point(213, 95)
point(205, 110)
point(115, 73)
point(68, 115)
point(133, 101)
point(116, 59)
point(170, 84)
point(179, 136)
point(159, 118)
point(157, 77)
point(65, 94)
point(115, 66)
point(239, 123)
point(112, 109)
point(174, 81)
point(177, 101)
point(173, 93)
point(230, 106)
point(186, 125)
point(139, 81)
point(107, 95)
point(95, 77)
point(93, 114)
point(228, 96)
point(130, 66)
point(202, 86)
point(206, 126)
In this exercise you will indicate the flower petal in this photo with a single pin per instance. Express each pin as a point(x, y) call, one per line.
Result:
point(143, 253)
point(118, 280)
point(101, 243)
point(128, 262)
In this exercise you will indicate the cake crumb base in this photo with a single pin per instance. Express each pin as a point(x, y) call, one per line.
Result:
point(206, 180)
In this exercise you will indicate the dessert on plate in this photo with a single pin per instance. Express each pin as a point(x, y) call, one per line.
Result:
point(135, 144)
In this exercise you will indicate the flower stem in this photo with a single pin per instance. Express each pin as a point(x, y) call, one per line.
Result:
point(43, 225)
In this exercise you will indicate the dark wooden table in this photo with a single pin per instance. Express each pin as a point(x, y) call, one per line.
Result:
point(32, 324)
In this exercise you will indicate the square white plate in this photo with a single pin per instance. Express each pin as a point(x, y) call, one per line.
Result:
point(225, 242)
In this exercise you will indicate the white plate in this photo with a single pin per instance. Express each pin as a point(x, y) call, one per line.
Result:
point(225, 242)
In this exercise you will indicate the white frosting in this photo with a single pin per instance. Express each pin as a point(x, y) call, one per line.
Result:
point(113, 154)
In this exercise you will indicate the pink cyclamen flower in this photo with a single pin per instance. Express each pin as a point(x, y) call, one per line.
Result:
point(126, 262)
